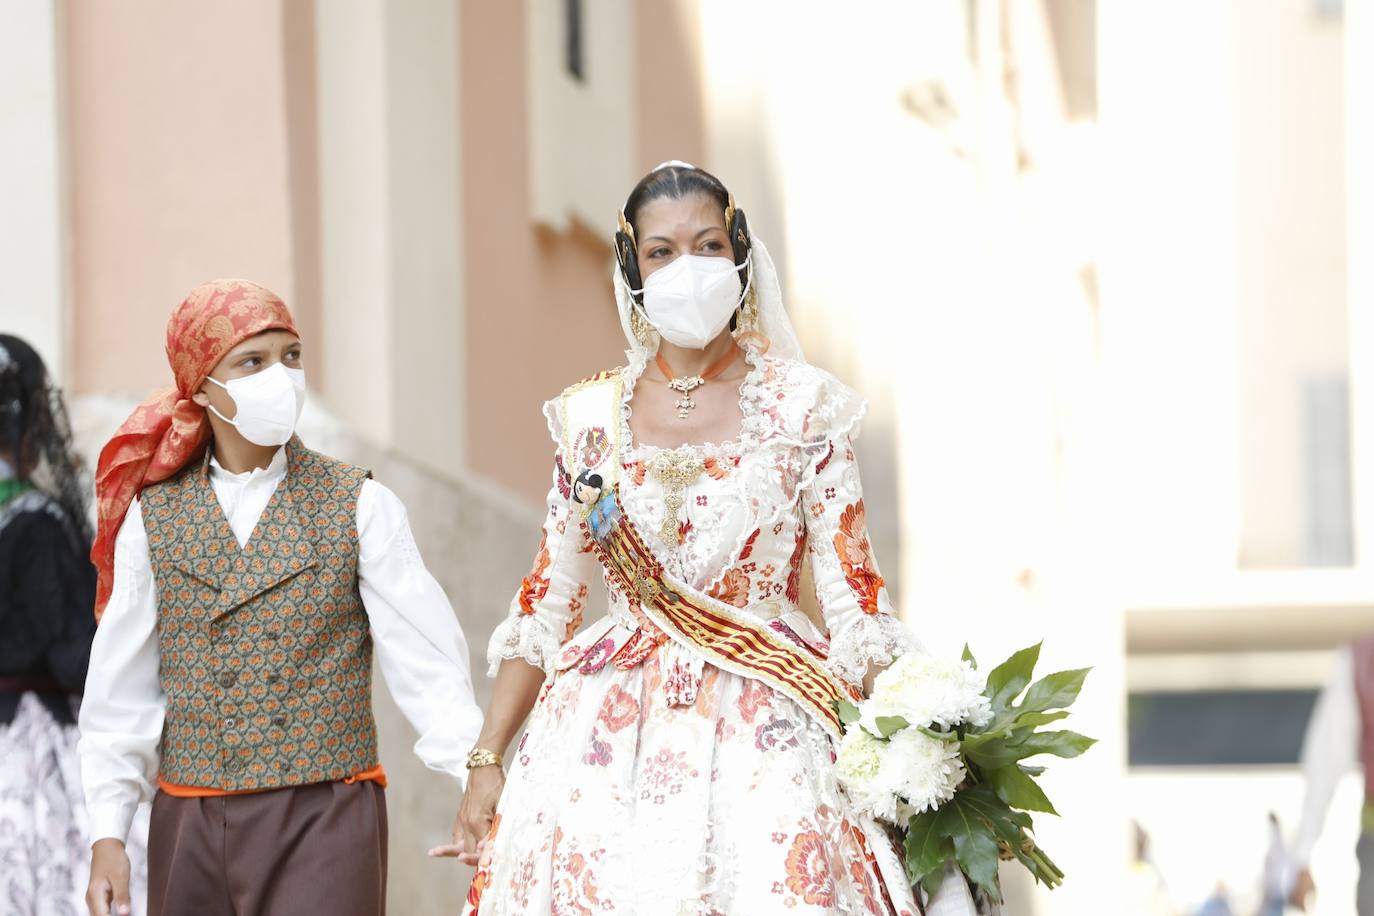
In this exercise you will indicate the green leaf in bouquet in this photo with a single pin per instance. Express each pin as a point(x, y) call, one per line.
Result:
point(1005, 822)
point(1060, 744)
point(890, 725)
point(992, 753)
point(1033, 771)
point(1007, 680)
point(1002, 725)
point(974, 739)
point(977, 822)
point(1016, 787)
point(1012, 829)
point(1012, 724)
point(849, 713)
point(975, 845)
point(931, 882)
point(968, 657)
point(1054, 691)
point(975, 828)
point(937, 734)
point(927, 849)
point(1036, 719)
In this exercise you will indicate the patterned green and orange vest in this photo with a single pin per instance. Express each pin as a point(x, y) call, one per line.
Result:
point(265, 653)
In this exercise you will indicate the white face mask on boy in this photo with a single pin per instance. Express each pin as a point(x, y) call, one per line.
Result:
point(691, 300)
point(267, 404)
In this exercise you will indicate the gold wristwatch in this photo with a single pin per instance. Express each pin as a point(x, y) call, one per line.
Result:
point(481, 757)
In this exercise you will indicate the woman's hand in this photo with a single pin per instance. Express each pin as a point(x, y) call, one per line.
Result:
point(513, 695)
point(473, 823)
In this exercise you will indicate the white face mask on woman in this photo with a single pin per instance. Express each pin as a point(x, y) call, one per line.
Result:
point(691, 300)
point(267, 404)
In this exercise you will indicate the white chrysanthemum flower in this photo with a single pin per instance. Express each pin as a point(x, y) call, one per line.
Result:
point(859, 763)
point(898, 778)
point(924, 771)
point(928, 691)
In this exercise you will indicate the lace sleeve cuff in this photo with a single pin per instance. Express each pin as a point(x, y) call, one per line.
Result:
point(871, 639)
point(525, 637)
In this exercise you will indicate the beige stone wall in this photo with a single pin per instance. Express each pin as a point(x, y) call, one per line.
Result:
point(1288, 120)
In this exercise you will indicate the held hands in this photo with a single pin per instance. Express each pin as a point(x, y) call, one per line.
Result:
point(108, 892)
point(1303, 888)
point(473, 823)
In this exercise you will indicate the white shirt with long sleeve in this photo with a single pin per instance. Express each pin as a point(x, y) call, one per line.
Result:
point(419, 646)
point(1330, 749)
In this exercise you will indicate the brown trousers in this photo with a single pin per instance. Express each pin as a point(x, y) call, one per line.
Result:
point(304, 850)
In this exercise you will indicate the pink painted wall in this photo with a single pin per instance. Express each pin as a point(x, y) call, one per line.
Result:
point(540, 311)
point(194, 154)
point(672, 123)
point(180, 168)
point(538, 305)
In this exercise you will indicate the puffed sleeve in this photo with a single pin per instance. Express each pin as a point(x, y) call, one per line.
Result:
point(849, 587)
point(548, 608)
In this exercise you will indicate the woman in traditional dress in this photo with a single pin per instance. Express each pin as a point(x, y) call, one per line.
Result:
point(47, 593)
point(679, 758)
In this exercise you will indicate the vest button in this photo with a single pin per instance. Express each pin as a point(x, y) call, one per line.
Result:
point(229, 723)
point(279, 721)
point(227, 679)
point(232, 765)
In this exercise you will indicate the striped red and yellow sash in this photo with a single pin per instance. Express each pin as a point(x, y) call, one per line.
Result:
point(728, 639)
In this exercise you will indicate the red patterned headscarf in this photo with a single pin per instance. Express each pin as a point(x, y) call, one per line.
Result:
point(169, 430)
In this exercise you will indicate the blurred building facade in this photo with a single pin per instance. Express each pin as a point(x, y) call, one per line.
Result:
point(1092, 264)
point(1238, 281)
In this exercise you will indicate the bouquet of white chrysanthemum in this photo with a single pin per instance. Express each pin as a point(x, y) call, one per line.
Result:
point(936, 751)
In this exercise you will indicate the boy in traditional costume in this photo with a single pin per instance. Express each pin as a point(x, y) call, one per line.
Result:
point(244, 582)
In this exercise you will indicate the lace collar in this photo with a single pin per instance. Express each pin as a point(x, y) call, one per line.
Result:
point(751, 390)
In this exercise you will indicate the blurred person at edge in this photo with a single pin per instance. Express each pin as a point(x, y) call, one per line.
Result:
point(1275, 875)
point(1147, 894)
point(1219, 904)
point(666, 766)
point(47, 588)
point(243, 584)
point(1340, 735)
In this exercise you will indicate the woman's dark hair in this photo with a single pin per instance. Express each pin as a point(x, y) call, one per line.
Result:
point(677, 182)
point(35, 433)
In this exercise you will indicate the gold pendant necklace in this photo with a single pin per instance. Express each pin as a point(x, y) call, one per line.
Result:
point(685, 386)
point(689, 383)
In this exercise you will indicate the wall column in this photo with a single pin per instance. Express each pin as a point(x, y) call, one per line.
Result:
point(389, 228)
point(33, 218)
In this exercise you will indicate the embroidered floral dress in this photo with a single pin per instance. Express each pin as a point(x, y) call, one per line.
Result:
point(649, 781)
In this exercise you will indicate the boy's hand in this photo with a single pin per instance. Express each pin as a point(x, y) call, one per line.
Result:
point(108, 892)
point(1303, 888)
point(473, 823)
